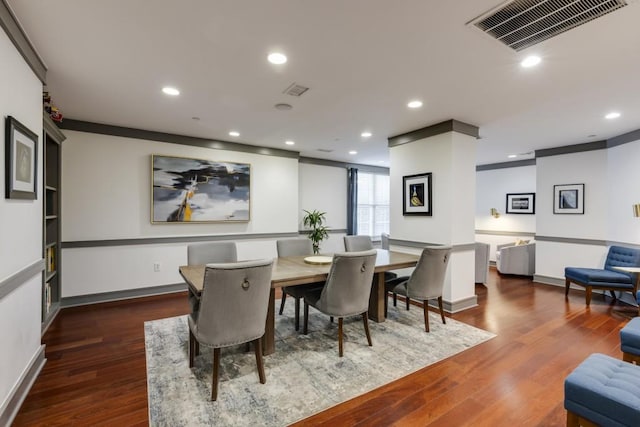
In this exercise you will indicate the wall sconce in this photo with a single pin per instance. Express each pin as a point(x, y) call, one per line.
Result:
point(636, 210)
point(496, 214)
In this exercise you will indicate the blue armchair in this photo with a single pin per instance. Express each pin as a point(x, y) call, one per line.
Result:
point(607, 278)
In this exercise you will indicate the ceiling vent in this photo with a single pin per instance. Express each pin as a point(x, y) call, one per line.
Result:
point(295, 89)
point(520, 24)
point(324, 150)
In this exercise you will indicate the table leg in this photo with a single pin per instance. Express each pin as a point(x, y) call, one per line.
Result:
point(269, 339)
point(376, 300)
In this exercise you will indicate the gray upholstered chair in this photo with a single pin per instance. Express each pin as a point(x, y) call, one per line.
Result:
point(206, 253)
point(292, 247)
point(357, 243)
point(233, 310)
point(482, 262)
point(346, 291)
point(512, 258)
point(427, 280)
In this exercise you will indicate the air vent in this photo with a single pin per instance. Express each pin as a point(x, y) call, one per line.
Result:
point(295, 89)
point(520, 24)
point(324, 150)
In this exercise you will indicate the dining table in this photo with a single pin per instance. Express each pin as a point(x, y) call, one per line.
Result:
point(294, 271)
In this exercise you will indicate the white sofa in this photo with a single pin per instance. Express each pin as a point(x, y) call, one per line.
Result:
point(516, 259)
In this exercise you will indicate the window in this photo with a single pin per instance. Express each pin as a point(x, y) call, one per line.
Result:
point(373, 204)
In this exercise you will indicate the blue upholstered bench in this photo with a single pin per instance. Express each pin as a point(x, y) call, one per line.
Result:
point(630, 341)
point(606, 278)
point(604, 391)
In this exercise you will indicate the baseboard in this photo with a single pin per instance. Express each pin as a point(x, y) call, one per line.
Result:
point(456, 306)
point(122, 295)
point(21, 390)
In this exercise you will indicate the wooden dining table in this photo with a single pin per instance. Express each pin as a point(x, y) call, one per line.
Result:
point(294, 271)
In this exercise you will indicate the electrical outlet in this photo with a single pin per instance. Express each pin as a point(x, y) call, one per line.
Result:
point(156, 267)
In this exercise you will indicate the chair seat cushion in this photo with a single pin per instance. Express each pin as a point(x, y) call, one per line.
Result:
point(630, 337)
point(599, 276)
point(605, 391)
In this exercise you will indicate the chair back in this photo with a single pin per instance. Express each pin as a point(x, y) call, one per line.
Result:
point(427, 280)
point(206, 253)
point(348, 287)
point(293, 247)
point(619, 256)
point(357, 243)
point(384, 241)
point(234, 302)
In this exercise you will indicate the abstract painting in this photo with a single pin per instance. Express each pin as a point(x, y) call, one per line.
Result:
point(195, 190)
point(568, 199)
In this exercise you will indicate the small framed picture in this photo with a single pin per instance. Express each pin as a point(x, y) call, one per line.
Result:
point(521, 203)
point(416, 195)
point(21, 161)
point(568, 199)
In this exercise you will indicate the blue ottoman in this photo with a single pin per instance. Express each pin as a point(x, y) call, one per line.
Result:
point(630, 341)
point(604, 391)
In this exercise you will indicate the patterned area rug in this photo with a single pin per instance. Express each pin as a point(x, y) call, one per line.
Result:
point(304, 376)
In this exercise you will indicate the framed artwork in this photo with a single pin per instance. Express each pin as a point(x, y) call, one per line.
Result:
point(521, 203)
point(188, 190)
point(416, 194)
point(568, 199)
point(21, 161)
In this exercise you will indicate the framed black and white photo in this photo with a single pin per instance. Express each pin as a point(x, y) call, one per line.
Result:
point(21, 161)
point(521, 203)
point(568, 199)
point(416, 195)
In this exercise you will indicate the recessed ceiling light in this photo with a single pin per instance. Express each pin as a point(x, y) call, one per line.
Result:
point(612, 115)
point(283, 107)
point(530, 61)
point(353, 152)
point(290, 142)
point(512, 156)
point(365, 134)
point(277, 58)
point(171, 90)
point(234, 133)
point(415, 104)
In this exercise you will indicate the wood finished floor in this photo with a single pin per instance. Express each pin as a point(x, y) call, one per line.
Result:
point(95, 373)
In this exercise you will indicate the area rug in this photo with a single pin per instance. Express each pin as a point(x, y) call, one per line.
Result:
point(304, 376)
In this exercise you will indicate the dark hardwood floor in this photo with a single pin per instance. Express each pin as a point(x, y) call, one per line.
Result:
point(95, 373)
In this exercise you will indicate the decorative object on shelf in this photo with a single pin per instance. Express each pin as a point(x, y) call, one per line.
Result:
point(416, 195)
point(195, 191)
point(494, 213)
point(21, 160)
point(52, 110)
point(568, 199)
point(318, 232)
point(521, 203)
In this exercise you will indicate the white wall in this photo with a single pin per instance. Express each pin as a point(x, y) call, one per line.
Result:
point(492, 187)
point(623, 191)
point(106, 195)
point(589, 168)
point(20, 228)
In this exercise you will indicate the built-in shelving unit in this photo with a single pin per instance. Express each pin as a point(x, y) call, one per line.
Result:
point(51, 278)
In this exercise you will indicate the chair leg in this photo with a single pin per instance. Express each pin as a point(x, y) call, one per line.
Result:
point(441, 310)
point(572, 420)
point(386, 303)
point(257, 345)
point(425, 305)
point(588, 295)
point(331, 319)
point(284, 298)
point(567, 283)
point(340, 336)
point(216, 372)
point(395, 299)
point(613, 295)
point(365, 320)
point(305, 329)
point(192, 348)
point(197, 347)
point(297, 323)
point(407, 299)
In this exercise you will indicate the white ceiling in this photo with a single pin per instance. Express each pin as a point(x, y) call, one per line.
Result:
point(362, 59)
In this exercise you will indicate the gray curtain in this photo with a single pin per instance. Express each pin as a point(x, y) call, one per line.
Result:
point(352, 201)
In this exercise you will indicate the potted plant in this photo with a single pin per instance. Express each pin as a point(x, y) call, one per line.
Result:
point(317, 232)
